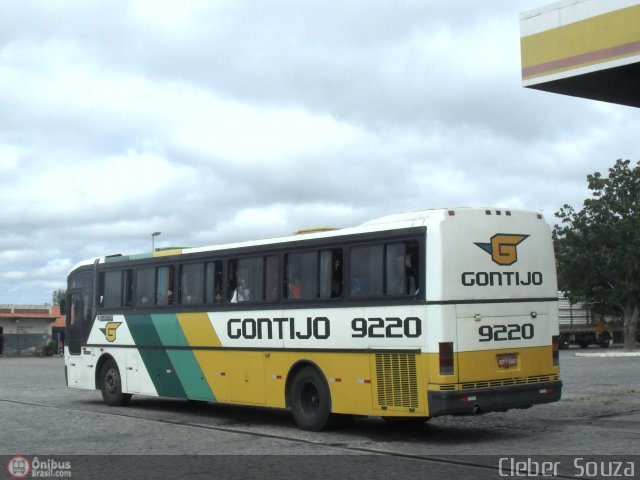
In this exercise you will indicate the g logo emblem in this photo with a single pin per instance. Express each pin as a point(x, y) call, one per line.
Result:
point(502, 248)
point(109, 331)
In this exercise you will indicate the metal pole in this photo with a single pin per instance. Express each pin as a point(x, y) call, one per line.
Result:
point(153, 243)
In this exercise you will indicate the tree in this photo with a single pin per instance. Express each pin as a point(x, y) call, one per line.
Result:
point(598, 247)
point(58, 295)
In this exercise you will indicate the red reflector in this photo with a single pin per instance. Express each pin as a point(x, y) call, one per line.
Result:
point(555, 350)
point(446, 358)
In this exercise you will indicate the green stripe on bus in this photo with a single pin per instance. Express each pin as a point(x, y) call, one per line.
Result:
point(184, 361)
point(156, 360)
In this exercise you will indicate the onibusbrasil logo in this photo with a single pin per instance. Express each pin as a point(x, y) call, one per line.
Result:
point(20, 466)
point(502, 248)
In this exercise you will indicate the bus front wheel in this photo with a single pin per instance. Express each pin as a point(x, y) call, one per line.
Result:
point(310, 400)
point(111, 385)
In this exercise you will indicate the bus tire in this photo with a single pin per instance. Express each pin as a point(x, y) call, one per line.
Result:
point(310, 400)
point(111, 385)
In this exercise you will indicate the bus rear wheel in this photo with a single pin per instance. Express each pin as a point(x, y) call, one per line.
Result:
point(310, 400)
point(111, 385)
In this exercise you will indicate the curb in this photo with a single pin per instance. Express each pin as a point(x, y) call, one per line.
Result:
point(609, 354)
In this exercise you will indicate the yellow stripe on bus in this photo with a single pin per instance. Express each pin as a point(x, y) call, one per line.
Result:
point(199, 332)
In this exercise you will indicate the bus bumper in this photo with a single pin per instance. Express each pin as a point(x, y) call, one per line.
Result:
point(484, 400)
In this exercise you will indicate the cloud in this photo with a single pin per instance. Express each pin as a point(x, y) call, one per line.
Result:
point(234, 120)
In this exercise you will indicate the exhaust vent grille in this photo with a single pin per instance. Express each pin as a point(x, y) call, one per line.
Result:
point(397, 380)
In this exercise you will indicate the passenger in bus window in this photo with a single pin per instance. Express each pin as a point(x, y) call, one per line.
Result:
point(358, 286)
point(336, 282)
point(396, 277)
point(294, 290)
point(412, 277)
point(240, 294)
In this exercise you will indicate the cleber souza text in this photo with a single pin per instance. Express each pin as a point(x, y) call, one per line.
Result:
point(582, 468)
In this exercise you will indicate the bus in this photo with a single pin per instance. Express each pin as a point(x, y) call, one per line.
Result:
point(406, 317)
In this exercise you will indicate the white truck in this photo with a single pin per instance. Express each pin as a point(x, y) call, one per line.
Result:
point(580, 326)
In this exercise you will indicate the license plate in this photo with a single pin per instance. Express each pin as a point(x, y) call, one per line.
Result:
point(506, 360)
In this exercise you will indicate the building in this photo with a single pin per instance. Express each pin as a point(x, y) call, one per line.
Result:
point(26, 329)
point(583, 48)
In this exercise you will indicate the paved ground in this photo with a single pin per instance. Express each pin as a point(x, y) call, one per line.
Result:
point(598, 414)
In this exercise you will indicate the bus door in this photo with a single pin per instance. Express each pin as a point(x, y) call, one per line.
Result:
point(78, 312)
point(75, 323)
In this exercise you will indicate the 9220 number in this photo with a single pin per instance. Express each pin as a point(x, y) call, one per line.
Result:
point(513, 331)
point(390, 327)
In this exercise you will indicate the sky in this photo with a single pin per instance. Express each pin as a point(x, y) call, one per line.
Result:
point(214, 121)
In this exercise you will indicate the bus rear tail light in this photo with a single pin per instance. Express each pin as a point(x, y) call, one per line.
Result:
point(446, 358)
point(555, 348)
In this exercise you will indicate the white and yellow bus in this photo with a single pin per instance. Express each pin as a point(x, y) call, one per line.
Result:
point(406, 317)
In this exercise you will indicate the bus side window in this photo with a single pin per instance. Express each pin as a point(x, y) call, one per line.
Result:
point(213, 282)
point(412, 264)
point(401, 268)
point(232, 281)
point(100, 290)
point(191, 283)
point(112, 289)
point(145, 286)
point(330, 273)
point(246, 280)
point(271, 278)
point(395, 269)
point(127, 288)
point(366, 267)
point(301, 275)
point(164, 286)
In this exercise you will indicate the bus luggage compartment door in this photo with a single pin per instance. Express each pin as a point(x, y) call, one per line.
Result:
point(497, 342)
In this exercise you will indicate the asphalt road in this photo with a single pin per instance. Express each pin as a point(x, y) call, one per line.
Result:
point(599, 414)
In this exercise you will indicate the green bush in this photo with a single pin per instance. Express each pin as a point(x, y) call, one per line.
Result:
point(50, 349)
